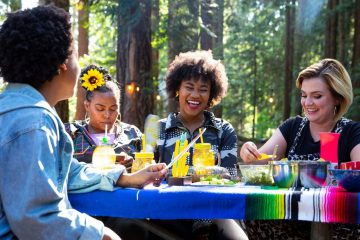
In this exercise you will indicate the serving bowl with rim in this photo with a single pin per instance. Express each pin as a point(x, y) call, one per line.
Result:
point(284, 173)
point(347, 179)
point(312, 174)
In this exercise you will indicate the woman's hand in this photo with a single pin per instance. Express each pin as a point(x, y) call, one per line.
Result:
point(249, 152)
point(124, 159)
point(110, 234)
point(154, 173)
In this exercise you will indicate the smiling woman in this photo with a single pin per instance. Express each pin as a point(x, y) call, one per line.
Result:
point(326, 94)
point(198, 82)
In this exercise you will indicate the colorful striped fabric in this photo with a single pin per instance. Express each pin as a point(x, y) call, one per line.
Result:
point(328, 204)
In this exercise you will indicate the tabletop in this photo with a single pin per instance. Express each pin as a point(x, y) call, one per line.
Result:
point(328, 204)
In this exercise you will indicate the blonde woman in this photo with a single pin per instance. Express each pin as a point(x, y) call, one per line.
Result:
point(326, 94)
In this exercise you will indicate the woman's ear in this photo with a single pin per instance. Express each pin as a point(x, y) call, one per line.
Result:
point(87, 105)
point(63, 67)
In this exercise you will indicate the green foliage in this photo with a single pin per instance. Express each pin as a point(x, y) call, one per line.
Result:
point(254, 43)
point(253, 59)
point(102, 35)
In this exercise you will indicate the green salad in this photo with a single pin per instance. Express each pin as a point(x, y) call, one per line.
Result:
point(216, 180)
point(262, 179)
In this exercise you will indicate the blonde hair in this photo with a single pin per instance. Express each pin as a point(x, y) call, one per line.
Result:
point(336, 77)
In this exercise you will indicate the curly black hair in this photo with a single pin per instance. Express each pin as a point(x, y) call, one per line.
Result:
point(109, 85)
point(197, 65)
point(33, 43)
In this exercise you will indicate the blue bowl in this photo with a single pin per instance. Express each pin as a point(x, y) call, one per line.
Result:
point(348, 179)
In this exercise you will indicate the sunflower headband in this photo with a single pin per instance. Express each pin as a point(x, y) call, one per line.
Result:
point(92, 78)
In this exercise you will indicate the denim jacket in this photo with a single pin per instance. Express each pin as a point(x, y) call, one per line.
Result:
point(220, 134)
point(37, 170)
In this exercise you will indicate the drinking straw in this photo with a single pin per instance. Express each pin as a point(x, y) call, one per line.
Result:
point(201, 137)
point(143, 143)
point(105, 130)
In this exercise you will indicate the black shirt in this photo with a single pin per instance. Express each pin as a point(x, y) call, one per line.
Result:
point(306, 146)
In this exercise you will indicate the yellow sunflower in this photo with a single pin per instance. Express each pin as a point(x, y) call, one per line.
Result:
point(92, 80)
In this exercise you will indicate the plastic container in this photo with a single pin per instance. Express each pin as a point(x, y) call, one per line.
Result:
point(104, 156)
point(142, 159)
point(256, 174)
point(203, 155)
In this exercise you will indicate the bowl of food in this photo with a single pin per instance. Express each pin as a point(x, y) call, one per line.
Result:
point(347, 179)
point(256, 174)
point(313, 174)
point(285, 173)
point(205, 171)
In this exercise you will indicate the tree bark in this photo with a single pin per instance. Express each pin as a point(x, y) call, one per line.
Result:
point(134, 61)
point(331, 26)
point(206, 38)
point(218, 46)
point(62, 107)
point(289, 55)
point(355, 63)
point(83, 48)
point(155, 56)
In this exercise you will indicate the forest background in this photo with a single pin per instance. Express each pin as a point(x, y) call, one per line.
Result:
point(263, 45)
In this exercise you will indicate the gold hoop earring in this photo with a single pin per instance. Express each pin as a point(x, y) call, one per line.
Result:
point(177, 94)
point(86, 117)
point(118, 119)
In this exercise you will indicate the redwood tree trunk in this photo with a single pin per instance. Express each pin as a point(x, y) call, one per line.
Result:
point(83, 48)
point(155, 56)
point(356, 48)
point(62, 107)
point(289, 55)
point(206, 32)
point(331, 26)
point(134, 61)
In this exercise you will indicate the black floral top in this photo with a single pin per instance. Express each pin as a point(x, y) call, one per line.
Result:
point(220, 134)
point(127, 139)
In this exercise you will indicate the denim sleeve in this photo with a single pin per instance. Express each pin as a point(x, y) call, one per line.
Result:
point(33, 190)
point(83, 178)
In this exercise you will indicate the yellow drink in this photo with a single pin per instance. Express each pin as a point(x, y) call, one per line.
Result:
point(203, 157)
point(103, 157)
point(142, 160)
